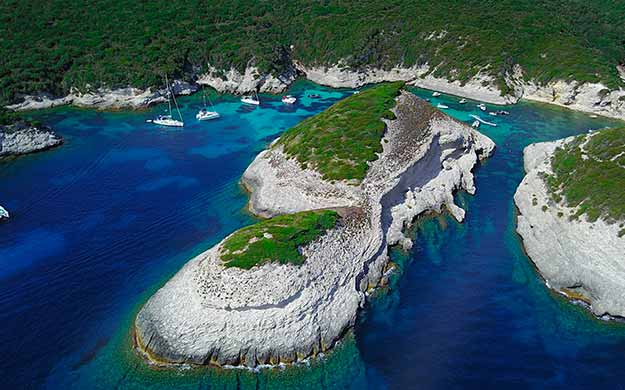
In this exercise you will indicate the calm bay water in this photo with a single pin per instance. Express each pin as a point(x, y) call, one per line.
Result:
point(101, 222)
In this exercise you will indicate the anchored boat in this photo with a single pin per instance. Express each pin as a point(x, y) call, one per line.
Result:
point(168, 120)
point(289, 99)
point(249, 99)
point(205, 114)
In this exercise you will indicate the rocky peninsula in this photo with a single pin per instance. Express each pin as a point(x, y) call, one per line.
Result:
point(340, 187)
point(23, 138)
point(572, 217)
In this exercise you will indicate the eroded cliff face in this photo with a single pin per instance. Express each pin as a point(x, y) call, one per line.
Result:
point(583, 260)
point(282, 313)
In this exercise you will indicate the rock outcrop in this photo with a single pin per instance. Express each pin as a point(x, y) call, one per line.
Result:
point(23, 138)
point(583, 260)
point(105, 99)
point(210, 314)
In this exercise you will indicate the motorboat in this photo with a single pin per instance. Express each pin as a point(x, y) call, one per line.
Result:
point(289, 99)
point(436, 94)
point(168, 119)
point(482, 106)
point(477, 118)
point(492, 113)
point(475, 124)
point(462, 101)
point(251, 99)
point(442, 106)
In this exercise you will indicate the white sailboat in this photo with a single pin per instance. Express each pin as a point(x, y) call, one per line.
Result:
point(205, 114)
point(168, 120)
point(249, 99)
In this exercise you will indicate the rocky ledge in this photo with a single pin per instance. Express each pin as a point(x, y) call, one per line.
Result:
point(581, 256)
point(104, 98)
point(273, 313)
point(22, 138)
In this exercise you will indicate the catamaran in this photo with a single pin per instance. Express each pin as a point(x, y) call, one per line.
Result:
point(249, 99)
point(205, 114)
point(168, 120)
point(289, 99)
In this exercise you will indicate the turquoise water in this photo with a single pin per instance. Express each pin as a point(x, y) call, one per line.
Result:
point(100, 223)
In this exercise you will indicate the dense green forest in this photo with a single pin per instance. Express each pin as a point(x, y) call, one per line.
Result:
point(53, 45)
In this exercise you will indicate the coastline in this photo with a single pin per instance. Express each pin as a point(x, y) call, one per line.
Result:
point(591, 98)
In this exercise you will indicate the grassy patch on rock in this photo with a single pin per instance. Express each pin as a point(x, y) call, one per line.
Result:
point(276, 239)
point(342, 140)
point(589, 175)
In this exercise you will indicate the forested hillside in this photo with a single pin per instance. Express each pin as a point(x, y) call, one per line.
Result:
point(53, 45)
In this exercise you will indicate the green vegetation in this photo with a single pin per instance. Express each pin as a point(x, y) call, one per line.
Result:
point(342, 140)
point(589, 174)
point(57, 44)
point(276, 239)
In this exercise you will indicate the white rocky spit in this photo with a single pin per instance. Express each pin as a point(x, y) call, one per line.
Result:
point(209, 314)
point(582, 260)
point(21, 138)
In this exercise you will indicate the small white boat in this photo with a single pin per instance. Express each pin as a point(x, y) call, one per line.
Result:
point(3, 213)
point(477, 118)
point(462, 101)
point(439, 105)
point(482, 106)
point(593, 116)
point(436, 94)
point(289, 99)
point(205, 114)
point(475, 124)
point(356, 92)
point(168, 120)
point(249, 99)
point(492, 113)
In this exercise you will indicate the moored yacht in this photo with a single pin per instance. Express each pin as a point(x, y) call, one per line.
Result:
point(168, 120)
point(289, 99)
point(205, 114)
point(251, 99)
point(436, 94)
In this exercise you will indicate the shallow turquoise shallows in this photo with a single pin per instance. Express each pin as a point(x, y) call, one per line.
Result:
point(103, 221)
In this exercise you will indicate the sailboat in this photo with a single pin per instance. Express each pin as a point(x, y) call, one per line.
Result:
point(249, 99)
point(205, 114)
point(289, 99)
point(168, 120)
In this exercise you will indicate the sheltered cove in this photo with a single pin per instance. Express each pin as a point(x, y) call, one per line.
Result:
point(281, 313)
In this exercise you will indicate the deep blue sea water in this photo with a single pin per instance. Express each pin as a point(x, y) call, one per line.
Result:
point(103, 221)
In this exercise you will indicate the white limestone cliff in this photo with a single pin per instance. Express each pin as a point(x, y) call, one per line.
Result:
point(581, 259)
point(210, 314)
point(23, 138)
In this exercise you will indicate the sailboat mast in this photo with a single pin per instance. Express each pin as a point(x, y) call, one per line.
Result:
point(168, 93)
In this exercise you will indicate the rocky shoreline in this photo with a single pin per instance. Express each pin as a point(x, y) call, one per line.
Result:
point(593, 98)
point(274, 314)
point(583, 260)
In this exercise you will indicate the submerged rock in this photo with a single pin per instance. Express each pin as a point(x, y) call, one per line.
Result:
point(212, 314)
point(22, 138)
point(582, 258)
